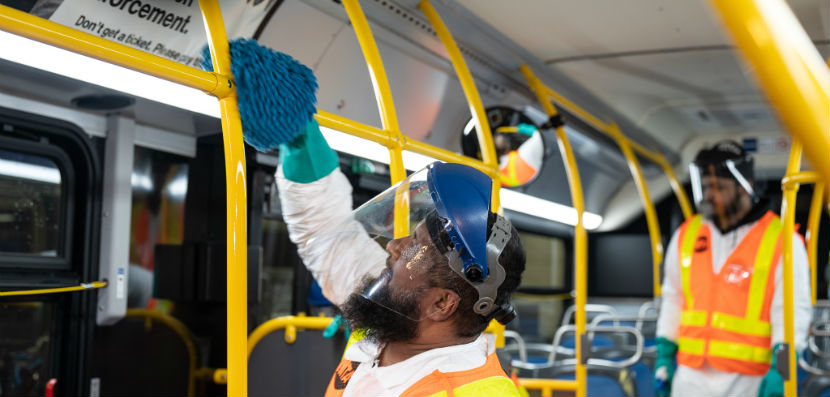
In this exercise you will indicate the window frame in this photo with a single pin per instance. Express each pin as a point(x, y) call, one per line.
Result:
point(61, 261)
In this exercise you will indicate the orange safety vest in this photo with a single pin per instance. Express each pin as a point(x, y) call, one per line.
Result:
point(725, 318)
point(486, 380)
point(516, 171)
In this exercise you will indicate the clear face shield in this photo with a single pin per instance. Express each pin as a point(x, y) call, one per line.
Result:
point(404, 238)
point(719, 187)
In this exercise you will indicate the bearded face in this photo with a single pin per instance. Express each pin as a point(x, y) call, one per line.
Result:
point(387, 317)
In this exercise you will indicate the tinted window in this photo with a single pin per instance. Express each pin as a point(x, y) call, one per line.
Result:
point(30, 204)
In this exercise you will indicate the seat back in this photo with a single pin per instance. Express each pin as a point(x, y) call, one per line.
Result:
point(300, 368)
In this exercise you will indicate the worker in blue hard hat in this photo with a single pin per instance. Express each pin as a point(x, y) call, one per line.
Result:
point(422, 268)
point(721, 319)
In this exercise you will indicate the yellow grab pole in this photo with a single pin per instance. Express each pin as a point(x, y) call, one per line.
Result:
point(677, 187)
point(380, 82)
point(790, 70)
point(788, 210)
point(235, 194)
point(580, 235)
point(812, 237)
point(386, 107)
point(485, 138)
point(35, 28)
point(648, 206)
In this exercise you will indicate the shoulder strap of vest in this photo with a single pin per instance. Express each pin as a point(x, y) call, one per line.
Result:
point(687, 238)
point(440, 381)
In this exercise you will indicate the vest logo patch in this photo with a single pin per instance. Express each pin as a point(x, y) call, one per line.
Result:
point(344, 373)
point(701, 244)
point(736, 274)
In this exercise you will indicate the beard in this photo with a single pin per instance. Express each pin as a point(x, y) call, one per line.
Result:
point(726, 219)
point(387, 317)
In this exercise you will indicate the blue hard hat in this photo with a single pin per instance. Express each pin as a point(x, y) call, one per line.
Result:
point(462, 197)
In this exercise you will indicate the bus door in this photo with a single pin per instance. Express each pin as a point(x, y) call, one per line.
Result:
point(49, 216)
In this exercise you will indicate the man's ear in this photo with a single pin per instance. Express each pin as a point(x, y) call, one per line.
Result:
point(442, 304)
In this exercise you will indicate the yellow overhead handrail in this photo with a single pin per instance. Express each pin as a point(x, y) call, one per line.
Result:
point(580, 237)
point(236, 201)
point(36, 28)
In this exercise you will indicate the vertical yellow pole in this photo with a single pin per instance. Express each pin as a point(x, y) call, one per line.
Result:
point(237, 240)
point(789, 68)
point(677, 187)
point(788, 210)
point(580, 235)
point(380, 82)
point(812, 237)
point(485, 138)
point(648, 206)
point(386, 107)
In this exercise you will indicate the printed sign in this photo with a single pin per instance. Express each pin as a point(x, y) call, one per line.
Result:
point(169, 28)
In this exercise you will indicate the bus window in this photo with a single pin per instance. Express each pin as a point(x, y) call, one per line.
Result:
point(539, 309)
point(31, 200)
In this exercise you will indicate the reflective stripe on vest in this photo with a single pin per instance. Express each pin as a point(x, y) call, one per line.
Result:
point(486, 380)
point(707, 333)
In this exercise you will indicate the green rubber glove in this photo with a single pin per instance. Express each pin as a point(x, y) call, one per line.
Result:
point(664, 366)
point(308, 157)
point(772, 385)
point(335, 324)
point(526, 129)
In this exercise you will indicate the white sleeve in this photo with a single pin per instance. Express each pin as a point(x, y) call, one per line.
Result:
point(314, 210)
point(803, 308)
point(672, 289)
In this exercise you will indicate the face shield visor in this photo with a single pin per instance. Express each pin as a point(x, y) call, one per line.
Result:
point(718, 187)
point(435, 217)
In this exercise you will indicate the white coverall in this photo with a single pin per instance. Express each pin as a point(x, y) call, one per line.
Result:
point(311, 210)
point(707, 381)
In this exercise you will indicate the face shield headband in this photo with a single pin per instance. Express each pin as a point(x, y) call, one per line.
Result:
point(488, 287)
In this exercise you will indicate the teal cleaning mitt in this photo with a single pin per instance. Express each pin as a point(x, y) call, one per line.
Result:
point(276, 93)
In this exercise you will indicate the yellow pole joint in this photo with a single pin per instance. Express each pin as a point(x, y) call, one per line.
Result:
point(793, 180)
